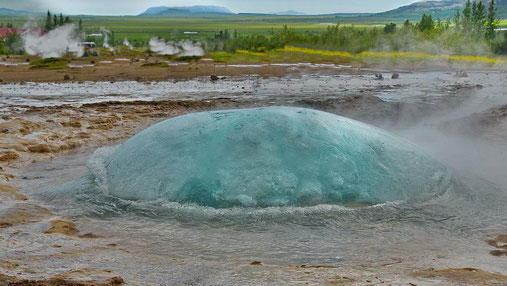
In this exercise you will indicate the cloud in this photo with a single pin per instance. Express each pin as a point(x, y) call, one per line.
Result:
point(24, 5)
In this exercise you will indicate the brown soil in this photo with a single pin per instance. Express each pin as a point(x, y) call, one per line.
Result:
point(11, 192)
point(500, 242)
point(62, 227)
point(8, 265)
point(123, 70)
point(12, 281)
point(465, 276)
point(63, 129)
point(23, 214)
point(313, 266)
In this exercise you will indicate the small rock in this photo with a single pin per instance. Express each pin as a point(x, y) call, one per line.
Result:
point(395, 76)
point(460, 74)
point(379, 76)
point(258, 263)
point(9, 156)
point(66, 77)
point(89, 235)
point(39, 148)
point(214, 77)
point(62, 227)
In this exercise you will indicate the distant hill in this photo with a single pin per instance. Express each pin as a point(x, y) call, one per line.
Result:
point(5, 11)
point(438, 9)
point(289, 13)
point(182, 11)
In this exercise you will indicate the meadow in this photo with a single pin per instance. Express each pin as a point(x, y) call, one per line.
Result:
point(261, 34)
point(141, 29)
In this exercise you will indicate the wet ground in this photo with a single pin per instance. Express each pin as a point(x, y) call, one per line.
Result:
point(457, 238)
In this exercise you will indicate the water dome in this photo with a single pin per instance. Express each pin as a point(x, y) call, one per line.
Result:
point(274, 156)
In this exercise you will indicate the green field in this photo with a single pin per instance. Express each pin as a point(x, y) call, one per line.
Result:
point(261, 33)
point(143, 28)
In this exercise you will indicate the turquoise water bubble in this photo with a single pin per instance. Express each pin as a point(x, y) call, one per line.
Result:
point(273, 156)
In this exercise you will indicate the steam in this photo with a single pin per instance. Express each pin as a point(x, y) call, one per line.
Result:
point(446, 43)
point(468, 136)
point(127, 44)
point(182, 48)
point(56, 43)
point(106, 33)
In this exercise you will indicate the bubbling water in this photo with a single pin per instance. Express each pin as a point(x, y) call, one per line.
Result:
point(275, 156)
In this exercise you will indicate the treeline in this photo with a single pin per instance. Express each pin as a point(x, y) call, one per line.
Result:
point(9, 25)
point(11, 44)
point(476, 18)
point(472, 31)
point(55, 21)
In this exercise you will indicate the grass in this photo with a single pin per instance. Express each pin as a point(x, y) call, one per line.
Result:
point(188, 58)
point(50, 64)
point(295, 54)
point(142, 29)
point(221, 57)
point(157, 64)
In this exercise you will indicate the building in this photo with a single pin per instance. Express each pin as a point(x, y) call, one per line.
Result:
point(4, 32)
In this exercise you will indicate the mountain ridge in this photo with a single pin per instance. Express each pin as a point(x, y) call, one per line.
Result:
point(6, 11)
point(289, 13)
point(198, 9)
point(438, 9)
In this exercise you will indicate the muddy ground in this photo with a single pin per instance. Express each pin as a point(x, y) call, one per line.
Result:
point(31, 134)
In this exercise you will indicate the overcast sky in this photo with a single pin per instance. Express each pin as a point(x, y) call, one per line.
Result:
point(134, 7)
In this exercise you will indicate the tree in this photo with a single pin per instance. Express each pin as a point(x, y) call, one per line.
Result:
point(61, 20)
point(67, 20)
point(426, 23)
point(1, 25)
point(390, 28)
point(13, 43)
point(55, 21)
point(80, 25)
point(447, 24)
point(457, 19)
point(467, 17)
point(491, 21)
point(439, 25)
point(3, 49)
point(48, 26)
point(478, 17)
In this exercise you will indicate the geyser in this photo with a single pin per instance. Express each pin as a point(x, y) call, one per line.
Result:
point(276, 156)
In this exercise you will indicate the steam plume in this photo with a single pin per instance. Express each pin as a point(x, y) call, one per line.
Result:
point(127, 44)
point(56, 43)
point(182, 48)
point(106, 33)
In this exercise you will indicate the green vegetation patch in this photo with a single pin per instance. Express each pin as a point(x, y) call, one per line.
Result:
point(50, 64)
point(188, 58)
point(221, 57)
point(157, 64)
